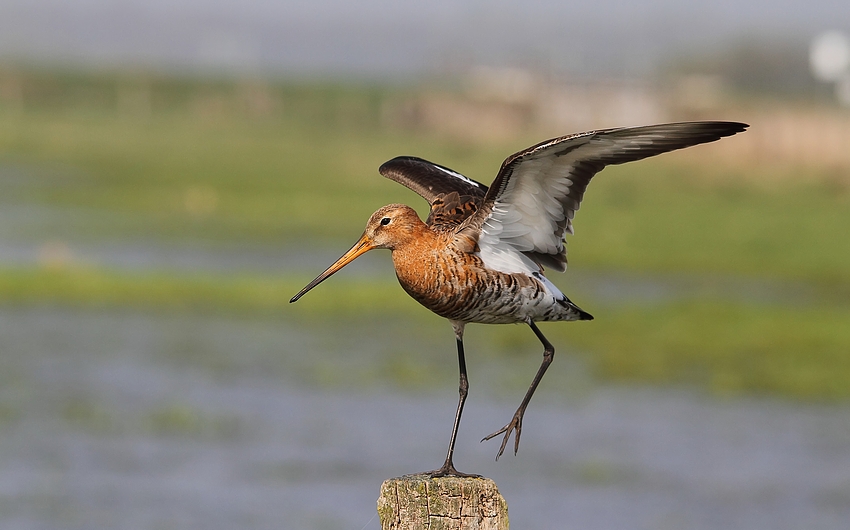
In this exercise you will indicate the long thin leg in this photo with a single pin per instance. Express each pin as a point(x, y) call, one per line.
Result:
point(516, 421)
point(463, 389)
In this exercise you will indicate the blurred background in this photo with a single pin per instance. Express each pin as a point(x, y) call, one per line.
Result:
point(172, 172)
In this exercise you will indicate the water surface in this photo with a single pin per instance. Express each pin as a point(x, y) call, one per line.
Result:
point(120, 419)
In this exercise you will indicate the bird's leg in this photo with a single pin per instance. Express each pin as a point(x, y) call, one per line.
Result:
point(448, 468)
point(516, 421)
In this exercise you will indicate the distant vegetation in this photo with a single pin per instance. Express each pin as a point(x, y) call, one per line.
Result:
point(134, 156)
point(758, 67)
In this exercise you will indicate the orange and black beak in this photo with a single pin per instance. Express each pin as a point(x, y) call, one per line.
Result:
point(363, 245)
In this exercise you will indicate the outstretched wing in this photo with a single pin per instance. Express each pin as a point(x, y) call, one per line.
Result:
point(452, 196)
point(530, 206)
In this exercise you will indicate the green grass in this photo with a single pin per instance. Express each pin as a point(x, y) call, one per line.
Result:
point(229, 175)
point(274, 182)
point(79, 287)
point(652, 217)
point(726, 348)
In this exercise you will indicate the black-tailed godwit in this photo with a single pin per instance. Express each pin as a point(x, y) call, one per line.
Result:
point(479, 256)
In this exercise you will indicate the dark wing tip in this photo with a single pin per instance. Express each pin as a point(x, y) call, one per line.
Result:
point(428, 179)
point(395, 164)
point(686, 132)
point(402, 166)
point(410, 165)
point(720, 128)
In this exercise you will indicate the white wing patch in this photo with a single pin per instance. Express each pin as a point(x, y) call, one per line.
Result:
point(539, 190)
point(457, 175)
point(527, 215)
point(504, 258)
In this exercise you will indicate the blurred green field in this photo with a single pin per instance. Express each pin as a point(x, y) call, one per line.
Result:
point(295, 166)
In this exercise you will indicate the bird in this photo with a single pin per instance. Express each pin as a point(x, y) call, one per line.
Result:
point(479, 257)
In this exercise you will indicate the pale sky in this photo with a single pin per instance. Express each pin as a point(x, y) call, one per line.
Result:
point(383, 38)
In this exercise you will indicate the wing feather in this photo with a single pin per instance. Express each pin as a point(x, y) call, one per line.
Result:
point(452, 196)
point(530, 206)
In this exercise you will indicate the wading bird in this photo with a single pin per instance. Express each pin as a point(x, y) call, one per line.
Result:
point(479, 256)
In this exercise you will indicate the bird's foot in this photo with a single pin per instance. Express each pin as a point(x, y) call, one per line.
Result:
point(514, 425)
point(448, 470)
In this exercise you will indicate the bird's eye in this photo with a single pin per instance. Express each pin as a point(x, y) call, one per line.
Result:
point(385, 221)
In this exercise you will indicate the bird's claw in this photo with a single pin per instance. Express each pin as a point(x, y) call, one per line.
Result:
point(448, 470)
point(514, 425)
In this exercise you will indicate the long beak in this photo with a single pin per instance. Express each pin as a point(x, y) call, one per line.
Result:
point(361, 247)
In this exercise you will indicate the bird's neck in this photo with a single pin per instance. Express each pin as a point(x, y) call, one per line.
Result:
point(420, 263)
point(419, 240)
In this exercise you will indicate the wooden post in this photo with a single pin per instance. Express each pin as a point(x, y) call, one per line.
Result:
point(415, 502)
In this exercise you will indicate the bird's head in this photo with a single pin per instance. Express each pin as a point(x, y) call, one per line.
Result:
point(389, 227)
